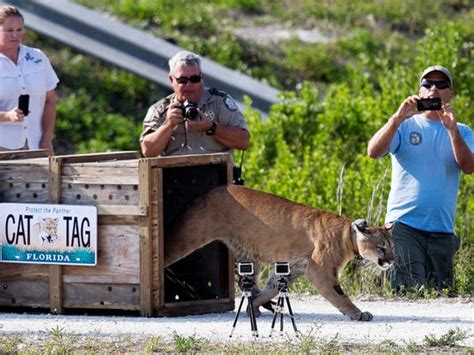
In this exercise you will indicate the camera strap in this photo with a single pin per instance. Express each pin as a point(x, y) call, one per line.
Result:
point(237, 172)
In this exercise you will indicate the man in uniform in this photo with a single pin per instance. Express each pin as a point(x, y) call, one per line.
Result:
point(217, 126)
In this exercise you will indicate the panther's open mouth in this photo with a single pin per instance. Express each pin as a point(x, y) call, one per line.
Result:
point(384, 264)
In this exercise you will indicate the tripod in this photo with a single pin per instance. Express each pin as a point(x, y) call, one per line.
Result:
point(247, 284)
point(282, 296)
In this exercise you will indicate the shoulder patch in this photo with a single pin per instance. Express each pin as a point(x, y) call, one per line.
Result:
point(230, 104)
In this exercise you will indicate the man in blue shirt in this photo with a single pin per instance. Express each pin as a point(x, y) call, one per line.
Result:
point(429, 149)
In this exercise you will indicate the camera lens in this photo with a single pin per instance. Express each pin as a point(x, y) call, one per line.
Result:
point(190, 110)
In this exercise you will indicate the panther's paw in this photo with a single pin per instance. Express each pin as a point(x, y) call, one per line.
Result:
point(362, 316)
point(270, 305)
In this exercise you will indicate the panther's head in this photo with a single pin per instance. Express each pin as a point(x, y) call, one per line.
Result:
point(50, 226)
point(374, 244)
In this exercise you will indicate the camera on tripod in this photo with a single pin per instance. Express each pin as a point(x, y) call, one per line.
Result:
point(190, 110)
point(282, 268)
point(245, 268)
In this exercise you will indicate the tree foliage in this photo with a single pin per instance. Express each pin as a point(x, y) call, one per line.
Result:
point(312, 146)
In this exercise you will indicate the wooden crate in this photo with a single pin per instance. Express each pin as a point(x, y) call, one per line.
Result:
point(137, 201)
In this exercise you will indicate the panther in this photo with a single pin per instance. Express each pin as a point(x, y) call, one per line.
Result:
point(265, 228)
point(46, 230)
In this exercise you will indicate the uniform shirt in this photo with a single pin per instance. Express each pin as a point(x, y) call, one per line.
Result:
point(33, 75)
point(425, 175)
point(217, 105)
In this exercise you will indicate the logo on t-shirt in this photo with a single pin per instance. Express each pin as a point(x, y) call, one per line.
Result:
point(415, 138)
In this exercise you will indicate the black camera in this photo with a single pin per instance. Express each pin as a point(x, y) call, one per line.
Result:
point(245, 269)
point(282, 268)
point(190, 110)
point(433, 104)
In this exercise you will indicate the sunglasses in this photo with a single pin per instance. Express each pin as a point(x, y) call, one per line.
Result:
point(441, 84)
point(193, 79)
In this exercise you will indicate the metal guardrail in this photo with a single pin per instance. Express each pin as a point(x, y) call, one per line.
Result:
point(109, 40)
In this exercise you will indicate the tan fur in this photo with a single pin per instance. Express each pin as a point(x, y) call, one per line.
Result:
point(262, 227)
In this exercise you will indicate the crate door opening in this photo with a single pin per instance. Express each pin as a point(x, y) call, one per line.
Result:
point(205, 273)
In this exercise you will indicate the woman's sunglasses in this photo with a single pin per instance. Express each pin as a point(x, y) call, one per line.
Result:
point(193, 79)
point(441, 84)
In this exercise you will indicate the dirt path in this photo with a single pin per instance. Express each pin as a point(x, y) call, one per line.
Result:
point(402, 322)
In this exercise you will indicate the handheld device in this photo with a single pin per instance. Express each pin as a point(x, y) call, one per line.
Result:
point(433, 104)
point(24, 104)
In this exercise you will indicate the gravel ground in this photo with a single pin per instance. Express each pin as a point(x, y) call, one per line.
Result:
point(402, 322)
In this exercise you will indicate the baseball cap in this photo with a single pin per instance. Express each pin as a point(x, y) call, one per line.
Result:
point(440, 69)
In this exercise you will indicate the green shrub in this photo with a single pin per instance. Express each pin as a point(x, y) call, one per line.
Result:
point(312, 146)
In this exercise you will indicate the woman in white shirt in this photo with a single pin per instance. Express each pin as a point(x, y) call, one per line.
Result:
point(24, 71)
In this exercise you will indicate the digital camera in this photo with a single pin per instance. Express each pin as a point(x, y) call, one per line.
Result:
point(282, 268)
point(190, 110)
point(433, 104)
point(245, 269)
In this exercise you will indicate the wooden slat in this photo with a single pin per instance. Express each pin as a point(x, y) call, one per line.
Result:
point(190, 160)
point(108, 195)
point(123, 210)
point(101, 296)
point(14, 271)
point(95, 157)
point(19, 293)
point(20, 195)
point(102, 279)
point(109, 220)
point(196, 307)
point(22, 154)
point(98, 173)
point(146, 246)
point(118, 254)
point(185, 304)
point(55, 271)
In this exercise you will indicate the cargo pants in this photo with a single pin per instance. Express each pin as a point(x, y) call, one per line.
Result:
point(422, 259)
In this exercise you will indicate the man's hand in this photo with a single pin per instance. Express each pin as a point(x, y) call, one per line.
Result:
point(202, 124)
point(407, 108)
point(174, 115)
point(379, 144)
point(447, 117)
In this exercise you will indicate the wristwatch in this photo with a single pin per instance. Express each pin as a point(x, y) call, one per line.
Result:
point(211, 131)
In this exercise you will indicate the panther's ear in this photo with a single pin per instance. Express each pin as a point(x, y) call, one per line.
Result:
point(359, 227)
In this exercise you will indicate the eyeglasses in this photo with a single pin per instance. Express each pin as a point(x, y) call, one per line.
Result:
point(193, 79)
point(441, 84)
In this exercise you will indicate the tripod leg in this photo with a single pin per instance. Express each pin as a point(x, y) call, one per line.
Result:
point(236, 317)
point(281, 306)
point(275, 314)
point(290, 311)
point(253, 320)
